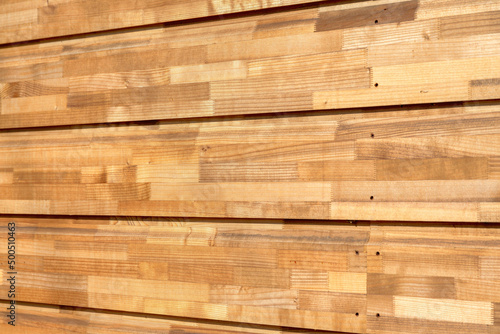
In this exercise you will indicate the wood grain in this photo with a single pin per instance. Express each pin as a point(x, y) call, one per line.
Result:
point(361, 278)
point(31, 20)
point(328, 56)
point(427, 163)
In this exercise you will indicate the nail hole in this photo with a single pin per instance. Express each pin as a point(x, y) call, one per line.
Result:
point(378, 253)
point(357, 314)
point(376, 84)
point(371, 197)
point(376, 21)
point(357, 252)
point(372, 135)
point(378, 315)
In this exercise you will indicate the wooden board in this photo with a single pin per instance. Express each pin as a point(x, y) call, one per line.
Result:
point(361, 278)
point(425, 163)
point(36, 19)
point(336, 56)
point(50, 319)
point(195, 171)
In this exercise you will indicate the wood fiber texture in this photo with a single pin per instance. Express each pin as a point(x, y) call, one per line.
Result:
point(361, 278)
point(425, 163)
point(334, 56)
point(22, 20)
point(233, 166)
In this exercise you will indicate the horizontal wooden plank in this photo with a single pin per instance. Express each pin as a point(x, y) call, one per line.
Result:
point(37, 19)
point(436, 163)
point(323, 56)
point(364, 277)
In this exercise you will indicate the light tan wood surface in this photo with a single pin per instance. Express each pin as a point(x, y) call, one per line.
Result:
point(426, 163)
point(22, 20)
point(227, 166)
point(333, 56)
point(309, 274)
point(50, 319)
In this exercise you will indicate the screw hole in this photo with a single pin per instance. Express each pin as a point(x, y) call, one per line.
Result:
point(357, 314)
point(371, 197)
point(372, 135)
point(376, 21)
point(377, 253)
point(357, 252)
point(378, 315)
point(376, 84)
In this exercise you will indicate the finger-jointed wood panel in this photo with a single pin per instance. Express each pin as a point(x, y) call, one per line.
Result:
point(362, 278)
point(334, 56)
point(428, 163)
point(29, 20)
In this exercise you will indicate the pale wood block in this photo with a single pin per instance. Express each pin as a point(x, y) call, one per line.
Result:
point(6, 175)
point(279, 102)
point(22, 17)
point(173, 208)
point(460, 47)
point(443, 8)
point(416, 191)
point(197, 255)
point(192, 236)
point(168, 173)
point(184, 308)
point(299, 44)
point(119, 80)
point(21, 89)
point(33, 104)
point(247, 172)
point(244, 191)
point(327, 301)
point(254, 296)
point(391, 33)
point(437, 73)
point(147, 111)
point(223, 7)
point(90, 250)
point(25, 206)
point(298, 83)
point(466, 168)
point(84, 207)
point(299, 318)
point(347, 282)
point(444, 310)
point(116, 301)
point(315, 260)
point(278, 152)
point(429, 147)
point(168, 290)
point(304, 279)
point(209, 72)
point(489, 267)
point(427, 261)
point(99, 267)
point(391, 95)
point(291, 64)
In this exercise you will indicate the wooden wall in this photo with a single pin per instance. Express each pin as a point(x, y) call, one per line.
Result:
point(226, 166)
